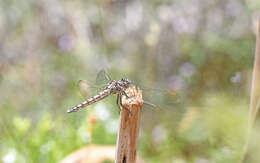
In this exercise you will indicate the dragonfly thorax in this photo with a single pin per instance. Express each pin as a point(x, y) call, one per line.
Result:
point(118, 86)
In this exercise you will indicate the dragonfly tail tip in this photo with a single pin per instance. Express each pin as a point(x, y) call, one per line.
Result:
point(69, 111)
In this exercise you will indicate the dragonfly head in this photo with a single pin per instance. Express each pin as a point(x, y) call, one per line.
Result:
point(126, 82)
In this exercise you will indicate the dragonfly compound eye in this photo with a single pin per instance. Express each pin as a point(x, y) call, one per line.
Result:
point(127, 81)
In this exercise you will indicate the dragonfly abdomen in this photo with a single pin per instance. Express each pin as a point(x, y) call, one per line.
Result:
point(90, 101)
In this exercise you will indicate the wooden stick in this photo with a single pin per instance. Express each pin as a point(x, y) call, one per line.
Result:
point(131, 109)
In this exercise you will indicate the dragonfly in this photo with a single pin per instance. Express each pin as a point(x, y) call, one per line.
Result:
point(112, 87)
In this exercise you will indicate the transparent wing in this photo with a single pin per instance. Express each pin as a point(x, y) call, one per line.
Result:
point(87, 89)
point(160, 98)
point(102, 77)
point(162, 101)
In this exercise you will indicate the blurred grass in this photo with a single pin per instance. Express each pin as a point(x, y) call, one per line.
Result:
point(216, 132)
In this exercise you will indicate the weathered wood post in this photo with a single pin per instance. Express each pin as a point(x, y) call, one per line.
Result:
point(130, 115)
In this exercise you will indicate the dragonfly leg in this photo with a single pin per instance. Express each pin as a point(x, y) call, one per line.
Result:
point(120, 97)
point(117, 101)
point(125, 94)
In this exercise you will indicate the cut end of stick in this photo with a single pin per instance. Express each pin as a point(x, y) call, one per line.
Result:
point(134, 97)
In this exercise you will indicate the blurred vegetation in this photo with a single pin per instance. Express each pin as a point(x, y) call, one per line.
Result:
point(204, 50)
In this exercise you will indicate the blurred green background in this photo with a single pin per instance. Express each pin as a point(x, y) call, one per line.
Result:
point(202, 49)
